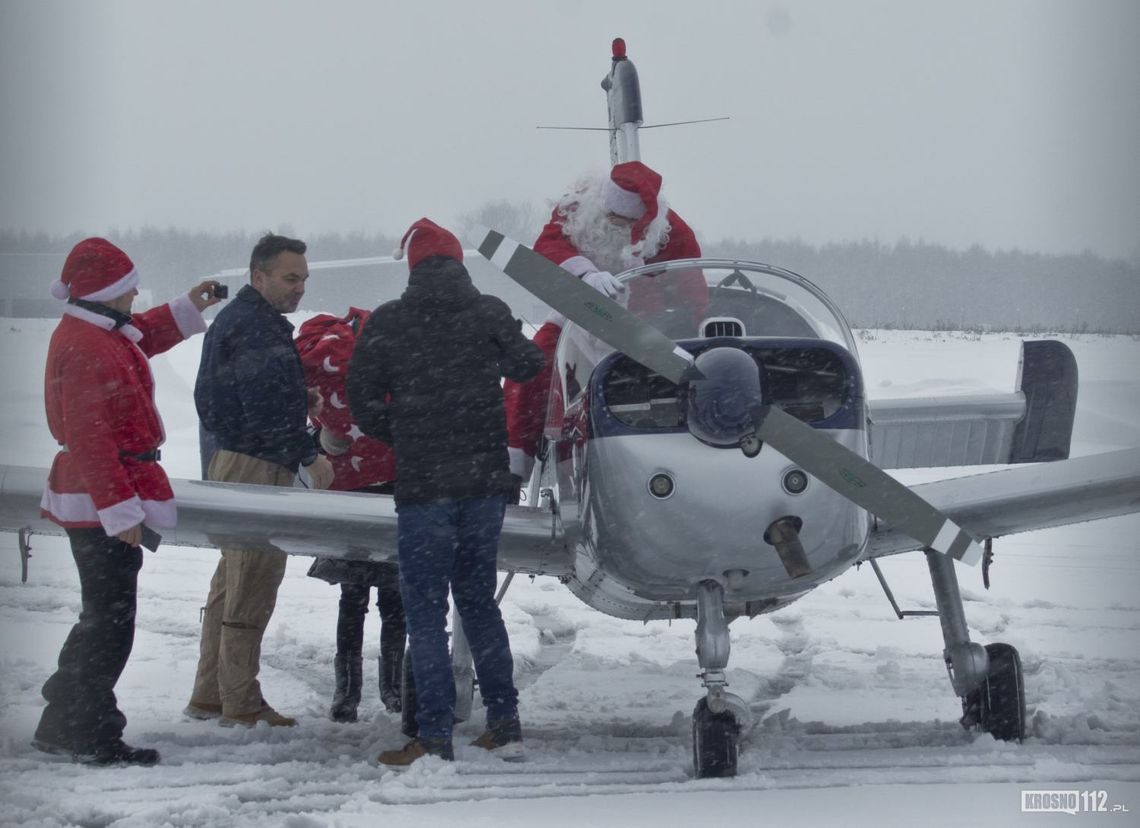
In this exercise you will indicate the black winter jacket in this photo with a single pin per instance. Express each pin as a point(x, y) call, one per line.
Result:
point(425, 377)
point(250, 392)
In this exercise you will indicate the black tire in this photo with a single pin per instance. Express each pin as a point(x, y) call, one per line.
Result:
point(408, 724)
point(1001, 698)
point(716, 742)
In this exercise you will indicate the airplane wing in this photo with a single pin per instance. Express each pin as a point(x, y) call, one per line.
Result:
point(1026, 498)
point(297, 521)
point(1030, 425)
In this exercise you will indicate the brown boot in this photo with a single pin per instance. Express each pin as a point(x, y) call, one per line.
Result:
point(265, 714)
point(415, 749)
point(503, 738)
point(202, 710)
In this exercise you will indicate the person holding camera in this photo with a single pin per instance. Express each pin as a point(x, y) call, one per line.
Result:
point(252, 398)
point(106, 487)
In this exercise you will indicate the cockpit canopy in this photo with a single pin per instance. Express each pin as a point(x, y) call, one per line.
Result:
point(792, 327)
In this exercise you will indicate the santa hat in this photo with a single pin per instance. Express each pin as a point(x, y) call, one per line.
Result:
point(634, 191)
point(97, 271)
point(426, 238)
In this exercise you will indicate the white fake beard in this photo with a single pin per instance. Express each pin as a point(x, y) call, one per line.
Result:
point(588, 227)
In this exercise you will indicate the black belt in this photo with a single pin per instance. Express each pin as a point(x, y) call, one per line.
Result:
point(145, 457)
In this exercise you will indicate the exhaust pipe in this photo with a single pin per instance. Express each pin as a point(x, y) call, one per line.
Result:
point(784, 534)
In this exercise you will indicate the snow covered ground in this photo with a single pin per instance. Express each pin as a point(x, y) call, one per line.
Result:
point(855, 718)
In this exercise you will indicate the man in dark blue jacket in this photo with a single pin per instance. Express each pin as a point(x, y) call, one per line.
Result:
point(425, 377)
point(251, 397)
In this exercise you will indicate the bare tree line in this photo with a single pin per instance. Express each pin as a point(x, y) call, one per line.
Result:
point(913, 285)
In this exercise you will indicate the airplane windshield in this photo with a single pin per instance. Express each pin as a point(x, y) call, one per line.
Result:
point(720, 297)
point(694, 299)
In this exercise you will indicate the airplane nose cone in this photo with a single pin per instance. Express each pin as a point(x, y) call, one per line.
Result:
point(721, 405)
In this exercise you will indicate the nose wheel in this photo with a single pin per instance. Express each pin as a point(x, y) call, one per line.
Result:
point(716, 742)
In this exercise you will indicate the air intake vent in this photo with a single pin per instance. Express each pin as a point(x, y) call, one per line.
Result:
point(721, 326)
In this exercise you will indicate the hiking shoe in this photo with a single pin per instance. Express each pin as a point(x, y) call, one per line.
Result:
point(416, 749)
point(503, 738)
point(266, 714)
point(202, 710)
point(119, 752)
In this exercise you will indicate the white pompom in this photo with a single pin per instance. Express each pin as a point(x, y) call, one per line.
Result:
point(398, 253)
point(59, 290)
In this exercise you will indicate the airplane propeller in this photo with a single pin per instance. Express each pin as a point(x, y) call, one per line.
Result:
point(726, 422)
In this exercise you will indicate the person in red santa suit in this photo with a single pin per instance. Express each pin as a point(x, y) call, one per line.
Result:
point(105, 487)
point(604, 226)
point(360, 464)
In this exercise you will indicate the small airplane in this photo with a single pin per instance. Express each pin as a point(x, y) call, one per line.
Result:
point(719, 462)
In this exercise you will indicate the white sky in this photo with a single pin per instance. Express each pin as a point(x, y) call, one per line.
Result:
point(1008, 123)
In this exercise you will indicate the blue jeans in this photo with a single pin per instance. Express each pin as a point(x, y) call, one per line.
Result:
point(454, 543)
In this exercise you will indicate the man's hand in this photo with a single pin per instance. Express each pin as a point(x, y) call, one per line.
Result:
point(202, 294)
point(132, 536)
point(320, 472)
point(316, 402)
point(604, 282)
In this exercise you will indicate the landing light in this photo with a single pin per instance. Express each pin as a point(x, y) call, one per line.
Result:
point(795, 481)
point(661, 485)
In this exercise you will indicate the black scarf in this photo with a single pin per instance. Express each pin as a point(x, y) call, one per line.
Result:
point(115, 316)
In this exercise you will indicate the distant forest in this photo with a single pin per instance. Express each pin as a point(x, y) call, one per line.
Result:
point(908, 285)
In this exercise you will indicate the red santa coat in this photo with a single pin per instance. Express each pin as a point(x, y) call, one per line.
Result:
point(99, 398)
point(325, 344)
point(526, 403)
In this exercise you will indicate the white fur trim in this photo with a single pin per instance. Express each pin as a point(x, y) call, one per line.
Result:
point(122, 516)
point(521, 463)
point(556, 318)
point(96, 319)
point(78, 507)
point(105, 322)
point(187, 316)
point(132, 333)
point(623, 202)
point(115, 289)
point(579, 266)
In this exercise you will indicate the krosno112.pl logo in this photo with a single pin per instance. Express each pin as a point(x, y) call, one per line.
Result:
point(1068, 802)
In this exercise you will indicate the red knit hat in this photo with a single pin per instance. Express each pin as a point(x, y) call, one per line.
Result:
point(633, 191)
point(426, 238)
point(97, 271)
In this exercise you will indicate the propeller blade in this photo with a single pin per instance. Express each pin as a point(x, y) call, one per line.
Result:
point(857, 479)
point(865, 484)
point(589, 309)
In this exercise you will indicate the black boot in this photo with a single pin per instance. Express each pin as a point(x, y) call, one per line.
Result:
point(393, 637)
point(346, 699)
point(349, 643)
point(390, 670)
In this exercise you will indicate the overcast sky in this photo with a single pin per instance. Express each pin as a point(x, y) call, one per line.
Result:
point(1007, 123)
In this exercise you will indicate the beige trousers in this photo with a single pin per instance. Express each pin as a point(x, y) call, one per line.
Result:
point(243, 593)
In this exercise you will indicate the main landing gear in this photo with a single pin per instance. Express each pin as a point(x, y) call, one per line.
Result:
point(988, 679)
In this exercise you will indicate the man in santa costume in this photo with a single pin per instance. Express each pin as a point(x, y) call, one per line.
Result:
point(105, 485)
point(605, 225)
